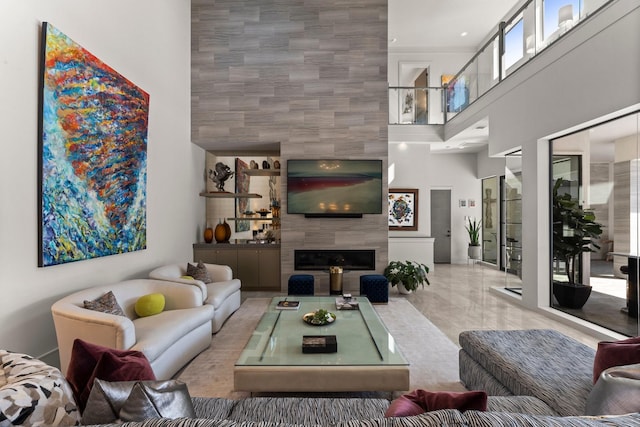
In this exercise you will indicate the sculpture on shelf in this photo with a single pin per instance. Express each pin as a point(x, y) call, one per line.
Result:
point(220, 175)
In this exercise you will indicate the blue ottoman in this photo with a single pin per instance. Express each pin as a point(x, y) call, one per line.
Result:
point(300, 284)
point(375, 287)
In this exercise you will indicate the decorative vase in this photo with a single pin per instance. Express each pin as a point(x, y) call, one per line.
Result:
point(208, 235)
point(402, 289)
point(474, 252)
point(222, 232)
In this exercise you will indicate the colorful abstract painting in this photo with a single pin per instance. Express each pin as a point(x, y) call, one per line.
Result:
point(93, 156)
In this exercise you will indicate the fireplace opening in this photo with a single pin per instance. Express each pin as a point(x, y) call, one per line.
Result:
point(348, 259)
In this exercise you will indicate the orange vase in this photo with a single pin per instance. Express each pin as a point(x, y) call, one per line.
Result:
point(222, 233)
point(208, 234)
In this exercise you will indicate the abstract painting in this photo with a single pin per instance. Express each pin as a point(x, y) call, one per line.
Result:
point(92, 156)
point(403, 209)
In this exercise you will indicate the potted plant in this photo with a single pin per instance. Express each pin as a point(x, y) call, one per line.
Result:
point(407, 275)
point(473, 228)
point(574, 231)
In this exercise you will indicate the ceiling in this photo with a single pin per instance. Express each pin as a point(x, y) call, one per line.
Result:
point(437, 25)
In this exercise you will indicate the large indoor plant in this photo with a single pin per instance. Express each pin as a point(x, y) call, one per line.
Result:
point(574, 231)
point(407, 275)
point(473, 228)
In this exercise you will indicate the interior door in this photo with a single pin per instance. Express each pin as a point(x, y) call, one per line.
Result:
point(441, 225)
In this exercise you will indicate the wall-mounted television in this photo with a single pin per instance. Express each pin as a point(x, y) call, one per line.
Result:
point(334, 187)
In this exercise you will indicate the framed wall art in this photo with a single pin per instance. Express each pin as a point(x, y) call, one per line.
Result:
point(403, 209)
point(92, 176)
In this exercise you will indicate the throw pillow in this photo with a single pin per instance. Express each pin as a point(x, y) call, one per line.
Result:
point(617, 392)
point(148, 305)
point(90, 361)
point(199, 272)
point(137, 401)
point(107, 303)
point(420, 401)
point(615, 353)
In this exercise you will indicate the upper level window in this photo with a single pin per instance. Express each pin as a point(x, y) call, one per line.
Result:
point(559, 16)
point(513, 43)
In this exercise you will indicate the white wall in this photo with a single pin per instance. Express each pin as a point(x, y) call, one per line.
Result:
point(416, 167)
point(149, 43)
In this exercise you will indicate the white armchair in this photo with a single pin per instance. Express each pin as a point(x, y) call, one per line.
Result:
point(223, 293)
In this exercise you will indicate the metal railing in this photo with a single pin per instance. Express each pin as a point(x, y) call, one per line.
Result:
point(531, 29)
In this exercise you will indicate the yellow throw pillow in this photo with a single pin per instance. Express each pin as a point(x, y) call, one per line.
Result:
point(148, 305)
point(187, 277)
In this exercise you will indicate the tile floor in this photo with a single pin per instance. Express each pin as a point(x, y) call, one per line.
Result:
point(460, 298)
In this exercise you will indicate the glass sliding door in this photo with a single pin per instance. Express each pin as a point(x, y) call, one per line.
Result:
point(512, 227)
point(599, 168)
point(490, 220)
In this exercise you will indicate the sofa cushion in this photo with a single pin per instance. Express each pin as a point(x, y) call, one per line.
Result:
point(615, 353)
point(616, 392)
point(137, 401)
point(90, 361)
point(218, 292)
point(33, 393)
point(106, 303)
point(420, 401)
point(519, 404)
point(536, 362)
point(307, 411)
point(149, 305)
point(199, 272)
point(440, 418)
point(484, 419)
point(155, 334)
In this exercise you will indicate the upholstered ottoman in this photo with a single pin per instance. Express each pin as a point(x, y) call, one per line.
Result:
point(301, 284)
point(542, 363)
point(375, 287)
point(33, 393)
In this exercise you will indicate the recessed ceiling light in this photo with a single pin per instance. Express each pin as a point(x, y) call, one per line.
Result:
point(464, 34)
point(393, 40)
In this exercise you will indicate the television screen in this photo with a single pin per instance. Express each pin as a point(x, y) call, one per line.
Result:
point(334, 187)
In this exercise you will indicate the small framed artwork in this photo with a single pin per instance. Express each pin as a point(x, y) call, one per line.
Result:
point(403, 209)
point(472, 203)
point(462, 203)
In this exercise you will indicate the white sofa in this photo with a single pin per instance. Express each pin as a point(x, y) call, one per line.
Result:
point(223, 293)
point(169, 339)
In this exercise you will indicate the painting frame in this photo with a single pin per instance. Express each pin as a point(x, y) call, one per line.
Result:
point(402, 209)
point(92, 155)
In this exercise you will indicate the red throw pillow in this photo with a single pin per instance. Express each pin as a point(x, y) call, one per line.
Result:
point(615, 353)
point(91, 361)
point(421, 401)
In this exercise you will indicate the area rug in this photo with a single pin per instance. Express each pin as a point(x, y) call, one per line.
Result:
point(433, 358)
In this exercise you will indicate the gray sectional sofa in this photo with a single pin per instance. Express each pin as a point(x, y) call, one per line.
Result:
point(294, 412)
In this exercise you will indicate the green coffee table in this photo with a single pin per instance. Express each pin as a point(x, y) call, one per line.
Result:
point(367, 358)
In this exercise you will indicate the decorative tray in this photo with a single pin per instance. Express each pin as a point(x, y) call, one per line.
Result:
point(319, 318)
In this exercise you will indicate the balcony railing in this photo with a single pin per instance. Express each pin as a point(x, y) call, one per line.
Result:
point(531, 29)
point(416, 105)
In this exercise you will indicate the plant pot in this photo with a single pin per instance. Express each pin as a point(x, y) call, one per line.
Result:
point(402, 289)
point(571, 296)
point(475, 252)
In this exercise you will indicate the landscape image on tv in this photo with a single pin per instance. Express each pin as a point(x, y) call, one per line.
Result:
point(334, 187)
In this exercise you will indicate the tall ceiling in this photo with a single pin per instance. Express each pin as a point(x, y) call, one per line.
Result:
point(437, 25)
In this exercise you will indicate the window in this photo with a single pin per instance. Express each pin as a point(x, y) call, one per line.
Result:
point(513, 43)
point(558, 16)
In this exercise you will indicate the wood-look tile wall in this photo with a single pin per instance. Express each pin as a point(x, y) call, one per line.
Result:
point(309, 75)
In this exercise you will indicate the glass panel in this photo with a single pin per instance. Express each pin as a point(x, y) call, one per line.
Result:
point(513, 222)
point(415, 106)
point(600, 170)
point(558, 17)
point(488, 67)
point(490, 220)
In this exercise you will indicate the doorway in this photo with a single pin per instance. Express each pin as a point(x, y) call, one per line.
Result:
point(441, 225)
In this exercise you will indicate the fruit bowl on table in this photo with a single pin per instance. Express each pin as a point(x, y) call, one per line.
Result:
point(319, 318)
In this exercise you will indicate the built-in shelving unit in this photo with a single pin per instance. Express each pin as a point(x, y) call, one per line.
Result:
point(262, 172)
point(225, 195)
point(251, 218)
